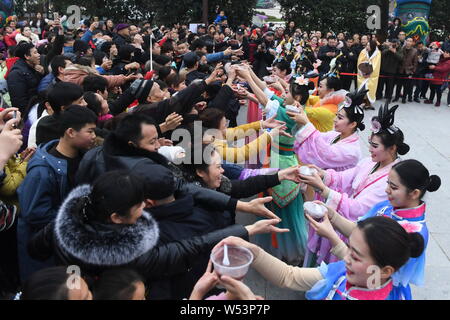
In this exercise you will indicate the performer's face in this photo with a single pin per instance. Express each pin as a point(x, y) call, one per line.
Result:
point(398, 194)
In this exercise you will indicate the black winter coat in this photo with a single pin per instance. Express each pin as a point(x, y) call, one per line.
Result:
point(325, 66)
point(390, 62)
point(116, 155)
point(226, 101)
point(348, 61)
point(180, 220)
point(96, 247)
point(23, 82)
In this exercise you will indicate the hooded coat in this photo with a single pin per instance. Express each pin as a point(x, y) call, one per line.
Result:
point(96, 247)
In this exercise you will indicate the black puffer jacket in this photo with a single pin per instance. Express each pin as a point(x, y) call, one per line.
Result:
point(95, 247)
point(23, 82)
point(117, 155)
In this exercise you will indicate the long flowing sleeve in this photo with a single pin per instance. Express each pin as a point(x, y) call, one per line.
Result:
point(314, 147)
point(321, 117)
point(353, 192)
point(245, 130)
point(283, 275)
point(241, 154)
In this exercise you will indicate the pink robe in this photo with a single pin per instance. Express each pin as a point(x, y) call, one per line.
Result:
point(315, 147)
point(353, 193)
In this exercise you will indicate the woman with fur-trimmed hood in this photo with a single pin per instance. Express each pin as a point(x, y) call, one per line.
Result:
point(105, 226)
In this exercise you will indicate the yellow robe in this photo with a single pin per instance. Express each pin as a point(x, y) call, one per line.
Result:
point(372, 81)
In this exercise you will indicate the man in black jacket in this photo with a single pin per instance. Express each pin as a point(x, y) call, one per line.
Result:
point(422, 66)
point(264, 55)
point(122, 34)
point(391, 58)
point(25, 76)
point(241, 41)
point(328, 53)
point(347, 62)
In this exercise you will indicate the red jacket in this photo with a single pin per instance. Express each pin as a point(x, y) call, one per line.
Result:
point(10, 62)
point(10, 39)
point(441, 71)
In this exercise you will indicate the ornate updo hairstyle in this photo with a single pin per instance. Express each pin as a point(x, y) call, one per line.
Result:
point(300, 89)
point(389, 243)
point(390, 135)
point(353, 109)
point(414, 175)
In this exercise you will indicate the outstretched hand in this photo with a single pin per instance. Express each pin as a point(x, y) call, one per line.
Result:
point(258, 208)
point(265, 226)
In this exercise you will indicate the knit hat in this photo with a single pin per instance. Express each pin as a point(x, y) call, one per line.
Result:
point(121, 26)
point(141, 89)
point(159, 181)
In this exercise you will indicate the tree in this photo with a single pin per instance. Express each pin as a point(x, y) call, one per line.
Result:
point(165, 12)
point(330, 15)
point(439, 21)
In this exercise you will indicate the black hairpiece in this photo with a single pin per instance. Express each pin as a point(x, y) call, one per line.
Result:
point(385, 119)
point(354, 100)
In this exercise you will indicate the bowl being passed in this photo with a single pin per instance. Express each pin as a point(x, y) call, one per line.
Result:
point(240, 260)
point(292, 108)
point(307, 171)
point(315, 210)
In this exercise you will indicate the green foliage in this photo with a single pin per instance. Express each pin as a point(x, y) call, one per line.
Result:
point(439, 20)
point(329, 15)
point(158, 12)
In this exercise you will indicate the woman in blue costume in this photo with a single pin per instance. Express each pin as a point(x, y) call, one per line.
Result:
point(408, 181)
point(379, 246)
point(287, 198)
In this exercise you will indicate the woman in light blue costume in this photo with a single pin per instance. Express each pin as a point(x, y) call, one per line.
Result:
point(408, 181)
point(376, 244)
point(287, 198)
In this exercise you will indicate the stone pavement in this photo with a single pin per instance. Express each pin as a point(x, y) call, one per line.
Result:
point(427, 131)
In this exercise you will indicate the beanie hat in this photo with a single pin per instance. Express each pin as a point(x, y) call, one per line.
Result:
point(121, 26)
point(141, 89)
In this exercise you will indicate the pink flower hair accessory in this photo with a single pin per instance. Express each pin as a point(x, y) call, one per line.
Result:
point(302, 81)
point(376, 126)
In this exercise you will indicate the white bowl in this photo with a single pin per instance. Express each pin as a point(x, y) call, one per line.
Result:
point(307, 171)
point(291, 108)
point(240, 260)
point(315, 210)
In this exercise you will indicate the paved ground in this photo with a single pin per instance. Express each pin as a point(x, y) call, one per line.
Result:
point(427, 131)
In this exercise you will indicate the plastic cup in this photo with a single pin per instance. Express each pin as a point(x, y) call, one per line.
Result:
point(315, 210)
point(240, 260)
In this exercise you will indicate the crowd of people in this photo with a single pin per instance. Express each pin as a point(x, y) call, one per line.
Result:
point(100, 131)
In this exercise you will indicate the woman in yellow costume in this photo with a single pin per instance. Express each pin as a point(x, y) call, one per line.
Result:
point(369, 64)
